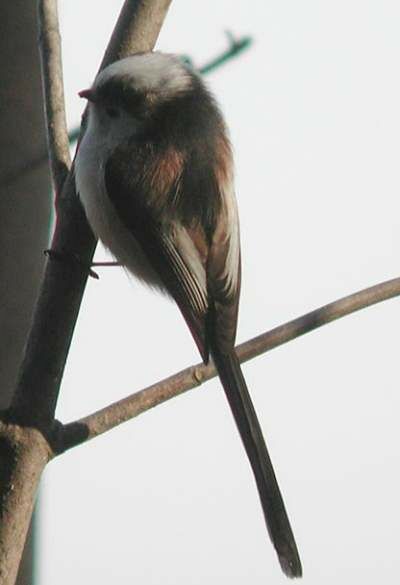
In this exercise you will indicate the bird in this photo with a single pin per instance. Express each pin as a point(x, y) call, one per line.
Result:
point(154, 173)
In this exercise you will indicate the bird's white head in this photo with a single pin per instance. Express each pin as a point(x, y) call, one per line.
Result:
point(154, 95)
point(137, 84)
point(159, 73)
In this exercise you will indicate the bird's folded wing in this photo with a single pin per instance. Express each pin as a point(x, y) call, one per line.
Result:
point(169, 249)
point(195, 253)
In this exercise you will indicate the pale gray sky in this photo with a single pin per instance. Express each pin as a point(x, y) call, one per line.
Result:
point(169, 498)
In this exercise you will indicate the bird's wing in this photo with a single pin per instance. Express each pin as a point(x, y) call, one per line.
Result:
point(192, 243)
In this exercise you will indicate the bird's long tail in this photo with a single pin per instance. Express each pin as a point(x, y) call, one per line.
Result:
point(276, 518)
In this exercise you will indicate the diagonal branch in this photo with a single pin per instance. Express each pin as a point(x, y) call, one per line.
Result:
point(113, 415)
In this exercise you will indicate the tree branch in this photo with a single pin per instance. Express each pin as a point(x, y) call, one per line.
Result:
point(137, 29)
point(113, 415)
point(53, 89)
point(236, 46)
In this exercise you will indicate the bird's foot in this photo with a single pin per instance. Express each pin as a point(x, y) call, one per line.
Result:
point(70, 257)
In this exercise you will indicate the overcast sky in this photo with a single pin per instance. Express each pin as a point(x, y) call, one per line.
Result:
point(314, 113)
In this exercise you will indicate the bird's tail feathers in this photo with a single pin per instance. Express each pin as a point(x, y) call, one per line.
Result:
point(276, 518)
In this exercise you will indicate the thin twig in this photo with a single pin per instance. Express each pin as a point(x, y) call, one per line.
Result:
point(236, 46)
point(53, 88)
point(113, 415)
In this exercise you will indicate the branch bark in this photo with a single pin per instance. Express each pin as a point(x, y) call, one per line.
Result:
point(103, 420)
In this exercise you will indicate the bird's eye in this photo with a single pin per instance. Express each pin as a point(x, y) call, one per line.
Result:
point(112, 112)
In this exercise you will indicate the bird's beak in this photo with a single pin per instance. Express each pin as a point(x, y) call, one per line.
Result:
point(88, 94)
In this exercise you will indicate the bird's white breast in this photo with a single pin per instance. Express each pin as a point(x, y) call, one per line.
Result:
point(90, 162)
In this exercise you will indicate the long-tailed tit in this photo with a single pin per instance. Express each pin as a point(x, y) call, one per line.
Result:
point(154, 173)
